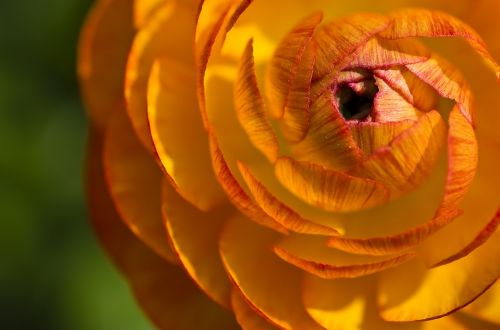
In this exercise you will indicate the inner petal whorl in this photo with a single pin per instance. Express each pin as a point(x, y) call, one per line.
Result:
point(355, 100)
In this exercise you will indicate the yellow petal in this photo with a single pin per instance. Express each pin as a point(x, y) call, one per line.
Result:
point(163, 290)
point(247, 317)
point(282, 214)
point(179, 137)
point(102, 56)
point(311, 254)
point(134, 184)
point(268, 283)
point(329, 189)
point(194, 235)
point(250, 109)
point(408, 293)
point(285, 63)
point(487, 306)
point(236, 193)
point(153, 40)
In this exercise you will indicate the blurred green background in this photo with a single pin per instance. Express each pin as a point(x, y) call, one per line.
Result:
point(53, 275)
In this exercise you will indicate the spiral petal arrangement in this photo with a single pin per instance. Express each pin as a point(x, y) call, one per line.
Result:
point(306, 172)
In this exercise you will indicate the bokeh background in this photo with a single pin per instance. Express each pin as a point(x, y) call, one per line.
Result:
point(53, 274)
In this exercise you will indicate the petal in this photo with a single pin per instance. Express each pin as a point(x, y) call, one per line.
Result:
point(280, 212)
point(144, 9)
point(249, 107)
point(379, 53)
point(179, 137)
point(312, 255)
point(134, 184)
point(329, 189)
point(410, 157)
point(154, 40)
point(408, 293)
point(370, 136)
point(296, 115)
point(163, 290)
point(275, 288)
point(236, 193)
point(328, 141)
point(285, 63)
point(487, 306)
point(247, 317)
point(194, 235)
point(426, 23)
point(102, 56)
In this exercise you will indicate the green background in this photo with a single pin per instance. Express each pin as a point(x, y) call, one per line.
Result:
point(53, 274)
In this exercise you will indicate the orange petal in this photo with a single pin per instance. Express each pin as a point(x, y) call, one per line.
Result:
point(328, 141)
point(285, 63)
point(194, 235)
point(134, 184)
point(379, 53)
point(447, 81)
point(275, 288)
point(162, 290)
point(411, 87)
point(329, 189)
point(426, 23)
point(247, 317)
point(339, 39)
point(410, 157)
point(311, 254)
point(102, 55)
point(236, 193)
point(156, 39)
point(282, 214)
point(144, 9)
point(250, 107)
point(297, 108)
point(179, 137)
point(487, 306)
point(370, 136)
point(408, 292)
point(390, 106)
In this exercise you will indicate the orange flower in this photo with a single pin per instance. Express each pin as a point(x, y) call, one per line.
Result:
point(309, 165)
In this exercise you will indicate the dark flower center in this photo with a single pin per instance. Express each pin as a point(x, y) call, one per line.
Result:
point(357, 104)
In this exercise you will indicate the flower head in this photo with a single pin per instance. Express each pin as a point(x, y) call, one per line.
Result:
point(307, 170)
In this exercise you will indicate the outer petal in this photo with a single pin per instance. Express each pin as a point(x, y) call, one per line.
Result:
point(194, 236)
point(275, 289)
point(102, 55)
point(162, 290)
point(248, 317)
point(487, 306)
point(134, 184)
point(179, 138)
point(152, 41)
point(407, 293)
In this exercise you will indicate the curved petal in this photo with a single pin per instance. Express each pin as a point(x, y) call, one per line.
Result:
point(134, 184)
point(102, 55)
point(314, 256)
point(285, 63)
point(164, 292)
point(275, 289)
point(153, 40)
point(279, 211)
point(329, 189)
point(194, 235)
point(248, 317)
point(487, 306)
point(144, 9)
point(179, 137)
point(249, 107)
point(407, 293)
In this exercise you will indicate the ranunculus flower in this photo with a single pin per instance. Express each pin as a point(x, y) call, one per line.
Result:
point(307, 164)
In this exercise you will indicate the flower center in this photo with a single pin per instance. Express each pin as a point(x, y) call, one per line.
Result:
point(356, 100)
